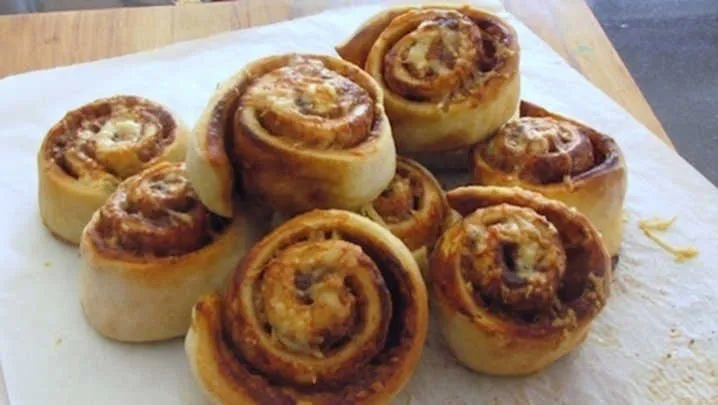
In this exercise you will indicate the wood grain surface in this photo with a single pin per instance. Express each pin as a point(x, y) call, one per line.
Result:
point(38, 41)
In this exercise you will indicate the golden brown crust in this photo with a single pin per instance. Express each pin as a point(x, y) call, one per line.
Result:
point(518, 280)
point(152, 215)
point(303, 131)
point(208, 164)
point(151, 251)
point(449, 73)
point(562, 159)
point(330, 307)
point(413, 207)
point(95, 147)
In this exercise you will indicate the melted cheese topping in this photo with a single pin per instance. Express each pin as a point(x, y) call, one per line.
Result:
point(540, 150)
point(116, 139)
point(516, 256)
point(308, 104)
point(320, 310)
point(417, 55)
point(156, 213)
point(443, 57)
point(114, 131)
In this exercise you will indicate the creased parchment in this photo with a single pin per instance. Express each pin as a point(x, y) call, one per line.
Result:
point(656, 341)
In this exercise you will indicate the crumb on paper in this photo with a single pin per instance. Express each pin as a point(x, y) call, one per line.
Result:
point(650, 226)
point(657, 224)
point(683, 376)
point(691, 342)
point(47, 263)
point(58, 342)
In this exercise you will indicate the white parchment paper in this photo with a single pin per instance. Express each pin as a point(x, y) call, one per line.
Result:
point(656, 341)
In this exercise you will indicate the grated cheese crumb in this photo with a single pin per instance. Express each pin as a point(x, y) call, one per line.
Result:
point(649, 228)
point(656, 224)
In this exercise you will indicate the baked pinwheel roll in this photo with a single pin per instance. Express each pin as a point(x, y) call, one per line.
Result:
point(328, 308)
point(412, 207)
point(562, 159)
point(303, 132)
point(151, 251)
point(517, 281)
point(86, 155)
point(450, 74)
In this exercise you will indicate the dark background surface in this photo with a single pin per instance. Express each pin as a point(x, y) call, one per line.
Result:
point(671, 49)
point(669, 46)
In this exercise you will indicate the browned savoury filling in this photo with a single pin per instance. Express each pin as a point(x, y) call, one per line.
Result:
point(445, 56)
point(531, 264)
point(544, 150)
point(309, 105)
point(412, 207)
point(513, 256)
point(330, 258)
point(157, 214)
point(401, 198)
point(111, 138)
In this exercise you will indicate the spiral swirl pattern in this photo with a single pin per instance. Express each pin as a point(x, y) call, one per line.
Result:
point(86, 155)
point(112, 139)
point(441, 58)
point(541, 150)
point(521, 257)
point(449, 73)
point(513, 256)
point(517, 280)
point(307, 132)
point(152, 250)
point(562, 159)
point(412, 207)
point(308, 105)
point(157, 213)
point(328, 307)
